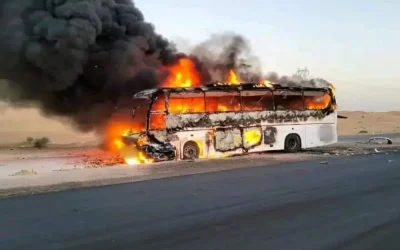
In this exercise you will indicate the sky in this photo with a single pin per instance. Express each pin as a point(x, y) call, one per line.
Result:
point(353, 44)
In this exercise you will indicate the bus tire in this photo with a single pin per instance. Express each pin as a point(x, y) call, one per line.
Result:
point(292, 143)
point(190, 151)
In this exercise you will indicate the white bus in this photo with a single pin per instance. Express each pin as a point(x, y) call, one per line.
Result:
point(217, 121)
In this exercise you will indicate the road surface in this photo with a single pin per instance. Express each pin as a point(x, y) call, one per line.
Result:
point(348, 203)
point(365, 137)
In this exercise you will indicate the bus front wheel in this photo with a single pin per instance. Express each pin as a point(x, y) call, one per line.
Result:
point(190, 150)
point(292, 143)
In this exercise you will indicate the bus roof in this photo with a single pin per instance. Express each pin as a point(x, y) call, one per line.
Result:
point(150, 93)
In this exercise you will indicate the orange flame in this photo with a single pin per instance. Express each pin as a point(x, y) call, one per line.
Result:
point(131, 154)
point(317, 102)
point(137, 159)
point(264, 83)
point(183, 74)
point(233, 78)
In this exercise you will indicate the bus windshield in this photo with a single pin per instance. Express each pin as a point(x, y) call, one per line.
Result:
point(139, 115)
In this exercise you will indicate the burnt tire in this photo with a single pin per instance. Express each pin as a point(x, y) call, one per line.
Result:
point(190, 150)
point(292, 143)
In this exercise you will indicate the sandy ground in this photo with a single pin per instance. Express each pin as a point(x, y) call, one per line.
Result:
point(18, 124)
point(369, 122)
point(26, 170)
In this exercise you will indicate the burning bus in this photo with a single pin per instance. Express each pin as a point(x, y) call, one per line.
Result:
point(218, 120)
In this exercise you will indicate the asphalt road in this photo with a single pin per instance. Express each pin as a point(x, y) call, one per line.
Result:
point(365, 137)
point(349, 203)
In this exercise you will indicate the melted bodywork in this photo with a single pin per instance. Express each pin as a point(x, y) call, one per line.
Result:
point(231, 127)
point(177, 122)
point(151, 146)
point(228, 139)
point(270, 135)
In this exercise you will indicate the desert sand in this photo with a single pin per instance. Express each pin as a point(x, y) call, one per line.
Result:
point(18, 124)
point(359, 122)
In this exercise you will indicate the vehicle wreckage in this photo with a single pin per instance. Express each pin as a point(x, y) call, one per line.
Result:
point(220, 120)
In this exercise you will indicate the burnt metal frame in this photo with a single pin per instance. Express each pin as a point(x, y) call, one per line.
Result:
point(245, 86)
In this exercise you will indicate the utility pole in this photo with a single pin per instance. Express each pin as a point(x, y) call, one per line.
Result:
point(302, 73)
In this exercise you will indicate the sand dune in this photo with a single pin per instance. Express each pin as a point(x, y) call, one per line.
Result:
point(17, 124)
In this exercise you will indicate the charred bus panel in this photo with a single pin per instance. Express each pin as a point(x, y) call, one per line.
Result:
point(218, 121)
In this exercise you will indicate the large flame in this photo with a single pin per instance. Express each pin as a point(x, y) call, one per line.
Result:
point(318, 102)
point(183, 74)
point(113, 133)
point(118, 127)
point(233, 79)
point(132, 155)
point(138, 158)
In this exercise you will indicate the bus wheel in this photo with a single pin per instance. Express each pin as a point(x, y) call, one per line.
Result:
point(190, 150)
point(292, 143)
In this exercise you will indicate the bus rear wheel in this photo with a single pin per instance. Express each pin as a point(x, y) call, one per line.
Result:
point(190, 150)
point(292, 143)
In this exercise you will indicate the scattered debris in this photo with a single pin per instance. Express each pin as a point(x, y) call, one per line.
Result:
point(323, 162)
point(63, 169)
point(98, 162)
point(378, 140)
point(25, 172)
point(350, 150)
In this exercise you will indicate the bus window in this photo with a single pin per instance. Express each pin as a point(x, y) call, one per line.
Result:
point(221, 101)
point(157, 121)
point(183, 103)
point(316, 99)
point(288, 100)
point(159, 103)
point(257, 100)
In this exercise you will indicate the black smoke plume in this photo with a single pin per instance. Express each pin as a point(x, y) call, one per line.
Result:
point(224, 52)
point(77, 58)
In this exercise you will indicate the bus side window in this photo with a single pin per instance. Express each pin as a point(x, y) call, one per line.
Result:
point(184, 103)
point(157, 121)
point(257, 100)
point(315, 100)
point(159, 103)
point(222, 101)
point(288, 100)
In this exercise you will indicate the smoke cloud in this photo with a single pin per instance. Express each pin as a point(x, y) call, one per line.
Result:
point(78, 58)
point(81, 58)
point(224, 52)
